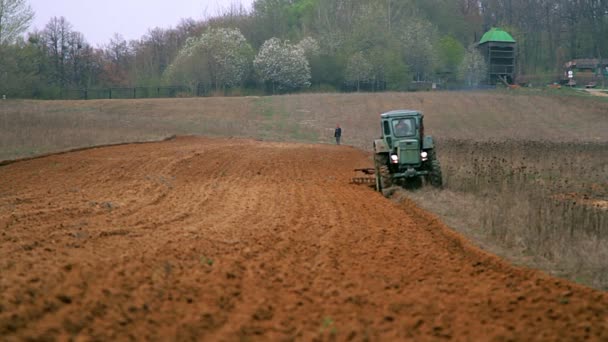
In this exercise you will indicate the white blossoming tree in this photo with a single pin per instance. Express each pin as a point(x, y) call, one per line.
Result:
point(219, 58)
point(310, 46)
point(358, 70)
point(473, 68)
point(417, 37)
point(283, 65)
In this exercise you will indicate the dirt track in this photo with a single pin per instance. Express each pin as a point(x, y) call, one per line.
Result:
point(229, 239)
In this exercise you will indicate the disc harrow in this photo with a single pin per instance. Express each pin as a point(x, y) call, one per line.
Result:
point(369, 177)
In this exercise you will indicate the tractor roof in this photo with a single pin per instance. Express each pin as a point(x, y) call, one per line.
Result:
point(400, 113)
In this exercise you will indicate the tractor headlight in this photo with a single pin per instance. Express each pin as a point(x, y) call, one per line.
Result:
point(395, 158)
point(424, 154)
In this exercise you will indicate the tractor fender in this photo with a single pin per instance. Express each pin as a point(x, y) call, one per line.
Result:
point(428, 143)
point(380, 146)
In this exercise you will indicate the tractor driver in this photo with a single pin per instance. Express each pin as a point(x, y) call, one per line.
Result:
point(403, 128)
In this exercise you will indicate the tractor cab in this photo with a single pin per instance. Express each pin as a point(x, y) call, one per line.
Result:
point(404, 153)
point(403, 138)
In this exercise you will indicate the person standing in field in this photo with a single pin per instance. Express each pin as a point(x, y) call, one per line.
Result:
point(338, 134)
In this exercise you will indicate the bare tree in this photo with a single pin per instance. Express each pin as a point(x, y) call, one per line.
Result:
point(15, 17)
point(117, 60)
point(55, 39)
point(71, 57)
point(595, 13)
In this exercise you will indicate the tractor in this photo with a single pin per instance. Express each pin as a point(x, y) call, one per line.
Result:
point(404, 156)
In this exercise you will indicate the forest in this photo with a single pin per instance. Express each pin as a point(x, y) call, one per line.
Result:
point(281, 46)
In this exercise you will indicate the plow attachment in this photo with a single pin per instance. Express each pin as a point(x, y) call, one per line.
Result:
point(369, 177)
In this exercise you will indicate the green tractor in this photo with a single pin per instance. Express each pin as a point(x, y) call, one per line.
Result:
point(404, 156)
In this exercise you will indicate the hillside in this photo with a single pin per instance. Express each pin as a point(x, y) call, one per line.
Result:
point(34, 127)
point(517, 160)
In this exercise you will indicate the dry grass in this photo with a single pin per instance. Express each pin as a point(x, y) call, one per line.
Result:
point(543, 203)
point(34, 127)
point(512, 182)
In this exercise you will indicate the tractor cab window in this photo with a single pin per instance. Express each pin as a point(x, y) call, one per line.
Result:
point(403, 127)
point(387, 128)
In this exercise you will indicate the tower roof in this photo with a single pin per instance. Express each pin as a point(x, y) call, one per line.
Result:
point(496, 35)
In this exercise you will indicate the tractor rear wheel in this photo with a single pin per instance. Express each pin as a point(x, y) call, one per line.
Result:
point(383, 176)
point(378, 181)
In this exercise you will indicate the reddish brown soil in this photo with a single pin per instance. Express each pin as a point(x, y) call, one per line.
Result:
point(218, 239)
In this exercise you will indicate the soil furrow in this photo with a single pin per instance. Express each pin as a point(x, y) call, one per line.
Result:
point(225, 239)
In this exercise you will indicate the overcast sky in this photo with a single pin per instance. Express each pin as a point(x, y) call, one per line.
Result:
point(98, 20)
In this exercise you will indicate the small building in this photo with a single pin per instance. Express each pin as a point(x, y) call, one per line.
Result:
point(585, 71)
point(499, 51)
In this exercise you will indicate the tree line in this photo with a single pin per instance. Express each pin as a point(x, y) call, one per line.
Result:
point(290, 45)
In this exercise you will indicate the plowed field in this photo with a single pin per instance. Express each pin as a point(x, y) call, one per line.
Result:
point(224, 239)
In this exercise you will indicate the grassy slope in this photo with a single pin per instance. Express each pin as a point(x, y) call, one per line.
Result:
point(33, 127)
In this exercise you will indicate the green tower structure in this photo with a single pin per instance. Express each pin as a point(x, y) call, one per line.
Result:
point(499, 50)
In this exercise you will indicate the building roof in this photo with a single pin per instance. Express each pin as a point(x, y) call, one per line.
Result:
point(586, 63)
point(496, 35)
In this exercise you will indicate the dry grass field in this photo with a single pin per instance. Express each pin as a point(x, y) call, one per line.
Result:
point(540, 204)
point(35, 127)
point(526, 173)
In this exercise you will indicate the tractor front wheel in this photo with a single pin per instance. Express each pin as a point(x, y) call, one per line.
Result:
point(434, 176)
